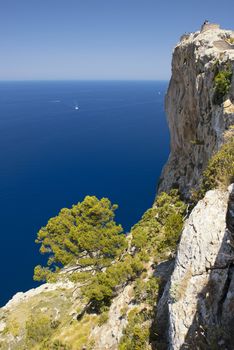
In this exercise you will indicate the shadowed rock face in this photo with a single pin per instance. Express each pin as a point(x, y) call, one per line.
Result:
point(200, 294)
point(230, 215)
point(197, 125)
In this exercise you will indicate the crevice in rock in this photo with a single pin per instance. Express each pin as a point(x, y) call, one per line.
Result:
point(221, 267)
point(225, 291)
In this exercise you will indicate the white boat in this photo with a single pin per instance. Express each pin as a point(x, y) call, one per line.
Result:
point(76, 107)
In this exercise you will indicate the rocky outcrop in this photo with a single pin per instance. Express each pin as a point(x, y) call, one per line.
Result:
point(200, 294)
point(107, 336)
point(44, 288)
point(51, 302)
point(197, 125)
point(59, 305)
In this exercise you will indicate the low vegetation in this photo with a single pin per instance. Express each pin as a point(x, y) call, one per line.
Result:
point(158, 231)
point(146, 290)
point(39, 328)
point(101, 287)
point(136, 334)
point(222, 84)
point(219, 172)
point(154, 237)
point(230, 40)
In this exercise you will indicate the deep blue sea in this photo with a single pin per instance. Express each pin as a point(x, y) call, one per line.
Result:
point(52, 155)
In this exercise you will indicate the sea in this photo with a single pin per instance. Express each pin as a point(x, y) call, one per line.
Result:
point(63, 140)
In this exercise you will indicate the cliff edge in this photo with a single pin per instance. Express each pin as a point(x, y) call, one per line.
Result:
point(198, 119)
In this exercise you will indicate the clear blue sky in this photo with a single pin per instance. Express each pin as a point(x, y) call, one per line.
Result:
point(98, 39)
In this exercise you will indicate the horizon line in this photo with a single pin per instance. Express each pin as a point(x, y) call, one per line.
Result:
point(80, 80)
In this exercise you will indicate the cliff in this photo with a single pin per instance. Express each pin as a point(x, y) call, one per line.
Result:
point(198, 124)
point(181, 295)
point(196, 307)
point(199, 297)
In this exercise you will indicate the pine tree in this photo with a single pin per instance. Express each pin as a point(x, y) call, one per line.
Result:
point(84, 237)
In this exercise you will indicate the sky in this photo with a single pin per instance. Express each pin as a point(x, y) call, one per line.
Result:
point(98, 39)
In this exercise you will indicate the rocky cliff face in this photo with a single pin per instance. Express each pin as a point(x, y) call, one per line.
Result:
point(196, 308)
point(200, 294)
point(198, 126)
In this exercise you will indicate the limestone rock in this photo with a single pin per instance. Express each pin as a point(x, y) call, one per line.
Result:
point(197, 125)
point(44, 288)
point(107, 336)
point(197, 305)
point(200, 294)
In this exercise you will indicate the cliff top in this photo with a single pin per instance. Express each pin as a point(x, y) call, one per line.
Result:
point(211, 39)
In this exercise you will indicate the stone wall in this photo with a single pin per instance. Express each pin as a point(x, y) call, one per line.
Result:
point(209, 26)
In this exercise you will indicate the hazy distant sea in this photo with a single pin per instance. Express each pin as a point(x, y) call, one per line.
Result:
point(52, 155)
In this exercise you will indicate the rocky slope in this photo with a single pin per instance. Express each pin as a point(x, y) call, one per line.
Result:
point(60, 303)
point(198, 126)
point(194, 303)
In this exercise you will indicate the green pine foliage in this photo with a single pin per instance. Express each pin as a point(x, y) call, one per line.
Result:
point(85, 236)
point(101, 287)
point(160, 227)
point(87, 239)
point(222, 84)
point(101, 259)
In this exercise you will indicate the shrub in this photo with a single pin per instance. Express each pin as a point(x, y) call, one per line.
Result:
point(38, 328)
point(197, 142)
point(101, 287)
point(54, 345)
point(219, 172)
point(103, 318)
point(173, 228)
point(230, 40)
point(124, 311)
point(222, 83)
point(12, 327)
point(160, 226)
point(136, 334)
point(146, 290)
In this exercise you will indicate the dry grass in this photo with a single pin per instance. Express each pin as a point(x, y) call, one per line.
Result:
point(178, 290)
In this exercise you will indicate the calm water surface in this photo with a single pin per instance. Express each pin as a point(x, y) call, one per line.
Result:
point(52, 155)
